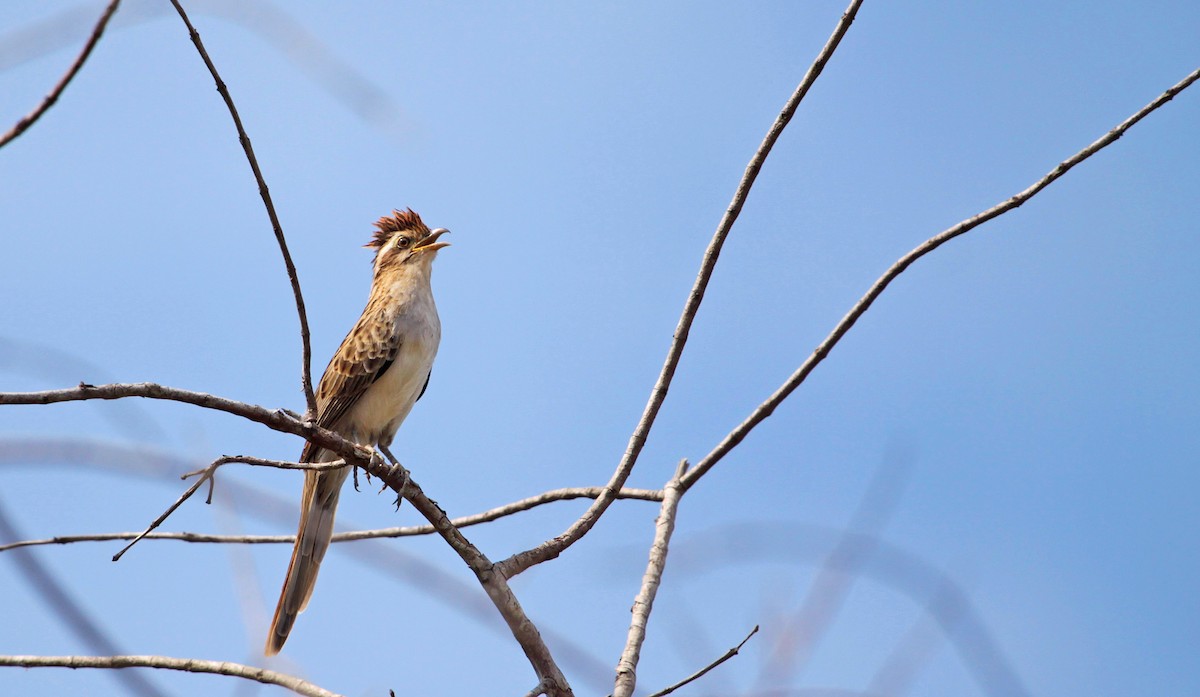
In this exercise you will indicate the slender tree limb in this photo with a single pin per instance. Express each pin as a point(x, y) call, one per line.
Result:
point(644, 602)
point(306, 368)
point(208, 473)
point(264, 462)
point(767, 407)
point(404, 531)
point(449, 589)
point(188, 665)
point(700, 673)
point(29, 119)
point(494, 584)
point(552, 548)
point(206, 476)
point(277, 420)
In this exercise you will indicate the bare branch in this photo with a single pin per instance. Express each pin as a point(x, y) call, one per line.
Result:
point(28, 120)
point(206, 476)
point(264, 462)
point(552, 548)
point(766, 408)
point(188, 665)
point(495, 584)
point(405, 531)
point(306, 369)
point(208, 473)
point(438, 584)
point(644, 602)
point(700, 673)
point(278, 420)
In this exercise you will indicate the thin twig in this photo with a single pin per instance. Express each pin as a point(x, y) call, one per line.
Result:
point(405, 531)
point(552, 548)
point(264, 462)
point(644, 602)
point(28, 120)
point(306, 369)
point(437, 583)
point(189, 665)
point(767, 407)
point(700, 673)
point(494, 584)
point(207, 474)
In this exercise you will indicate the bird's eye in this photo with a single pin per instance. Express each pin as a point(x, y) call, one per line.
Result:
point(403, 242)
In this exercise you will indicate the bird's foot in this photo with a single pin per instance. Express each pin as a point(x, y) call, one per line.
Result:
point(397, 470)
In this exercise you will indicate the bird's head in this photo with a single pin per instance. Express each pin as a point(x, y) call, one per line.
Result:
point(401, 239)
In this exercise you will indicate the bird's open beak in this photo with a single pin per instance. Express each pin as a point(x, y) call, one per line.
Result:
point(430, 243)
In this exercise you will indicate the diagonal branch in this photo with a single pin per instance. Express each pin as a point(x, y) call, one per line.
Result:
point(28, 120)
point(552, 548)
point(496, 586)
point(703, 671)
point(664, 527)
point(306, 367)
point(188, 665)
point(766, 408)
point(208, 474)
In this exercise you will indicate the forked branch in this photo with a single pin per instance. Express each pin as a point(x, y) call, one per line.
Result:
point(643, 604)
point(552, 548)
point(767, 407)
point(550, 677)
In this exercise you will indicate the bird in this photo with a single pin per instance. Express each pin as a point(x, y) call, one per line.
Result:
point(372, 382)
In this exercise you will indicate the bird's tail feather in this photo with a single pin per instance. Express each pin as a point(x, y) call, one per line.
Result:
point(318, 508)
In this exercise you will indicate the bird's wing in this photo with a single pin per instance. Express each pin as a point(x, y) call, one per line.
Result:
point(365, 354)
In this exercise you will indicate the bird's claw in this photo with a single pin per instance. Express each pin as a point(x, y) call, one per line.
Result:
point(397, 470)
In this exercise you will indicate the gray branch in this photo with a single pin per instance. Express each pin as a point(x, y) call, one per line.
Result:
point(188, 665)
point(29, 119)
point(765, 409)
point(553, 547)
point(643, 604)
point(306, 345)
point(402, 531)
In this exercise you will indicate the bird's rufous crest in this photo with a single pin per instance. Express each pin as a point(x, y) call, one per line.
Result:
point(399, 221)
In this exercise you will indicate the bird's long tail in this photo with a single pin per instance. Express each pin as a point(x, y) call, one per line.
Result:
point(317, 508)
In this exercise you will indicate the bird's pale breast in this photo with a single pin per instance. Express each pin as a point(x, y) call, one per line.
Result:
point(386, 403)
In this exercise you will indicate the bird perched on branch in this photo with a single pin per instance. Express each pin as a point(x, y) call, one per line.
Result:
point(377, 374)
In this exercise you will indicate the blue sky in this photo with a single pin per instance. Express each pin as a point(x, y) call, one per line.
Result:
point(1029, 388)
